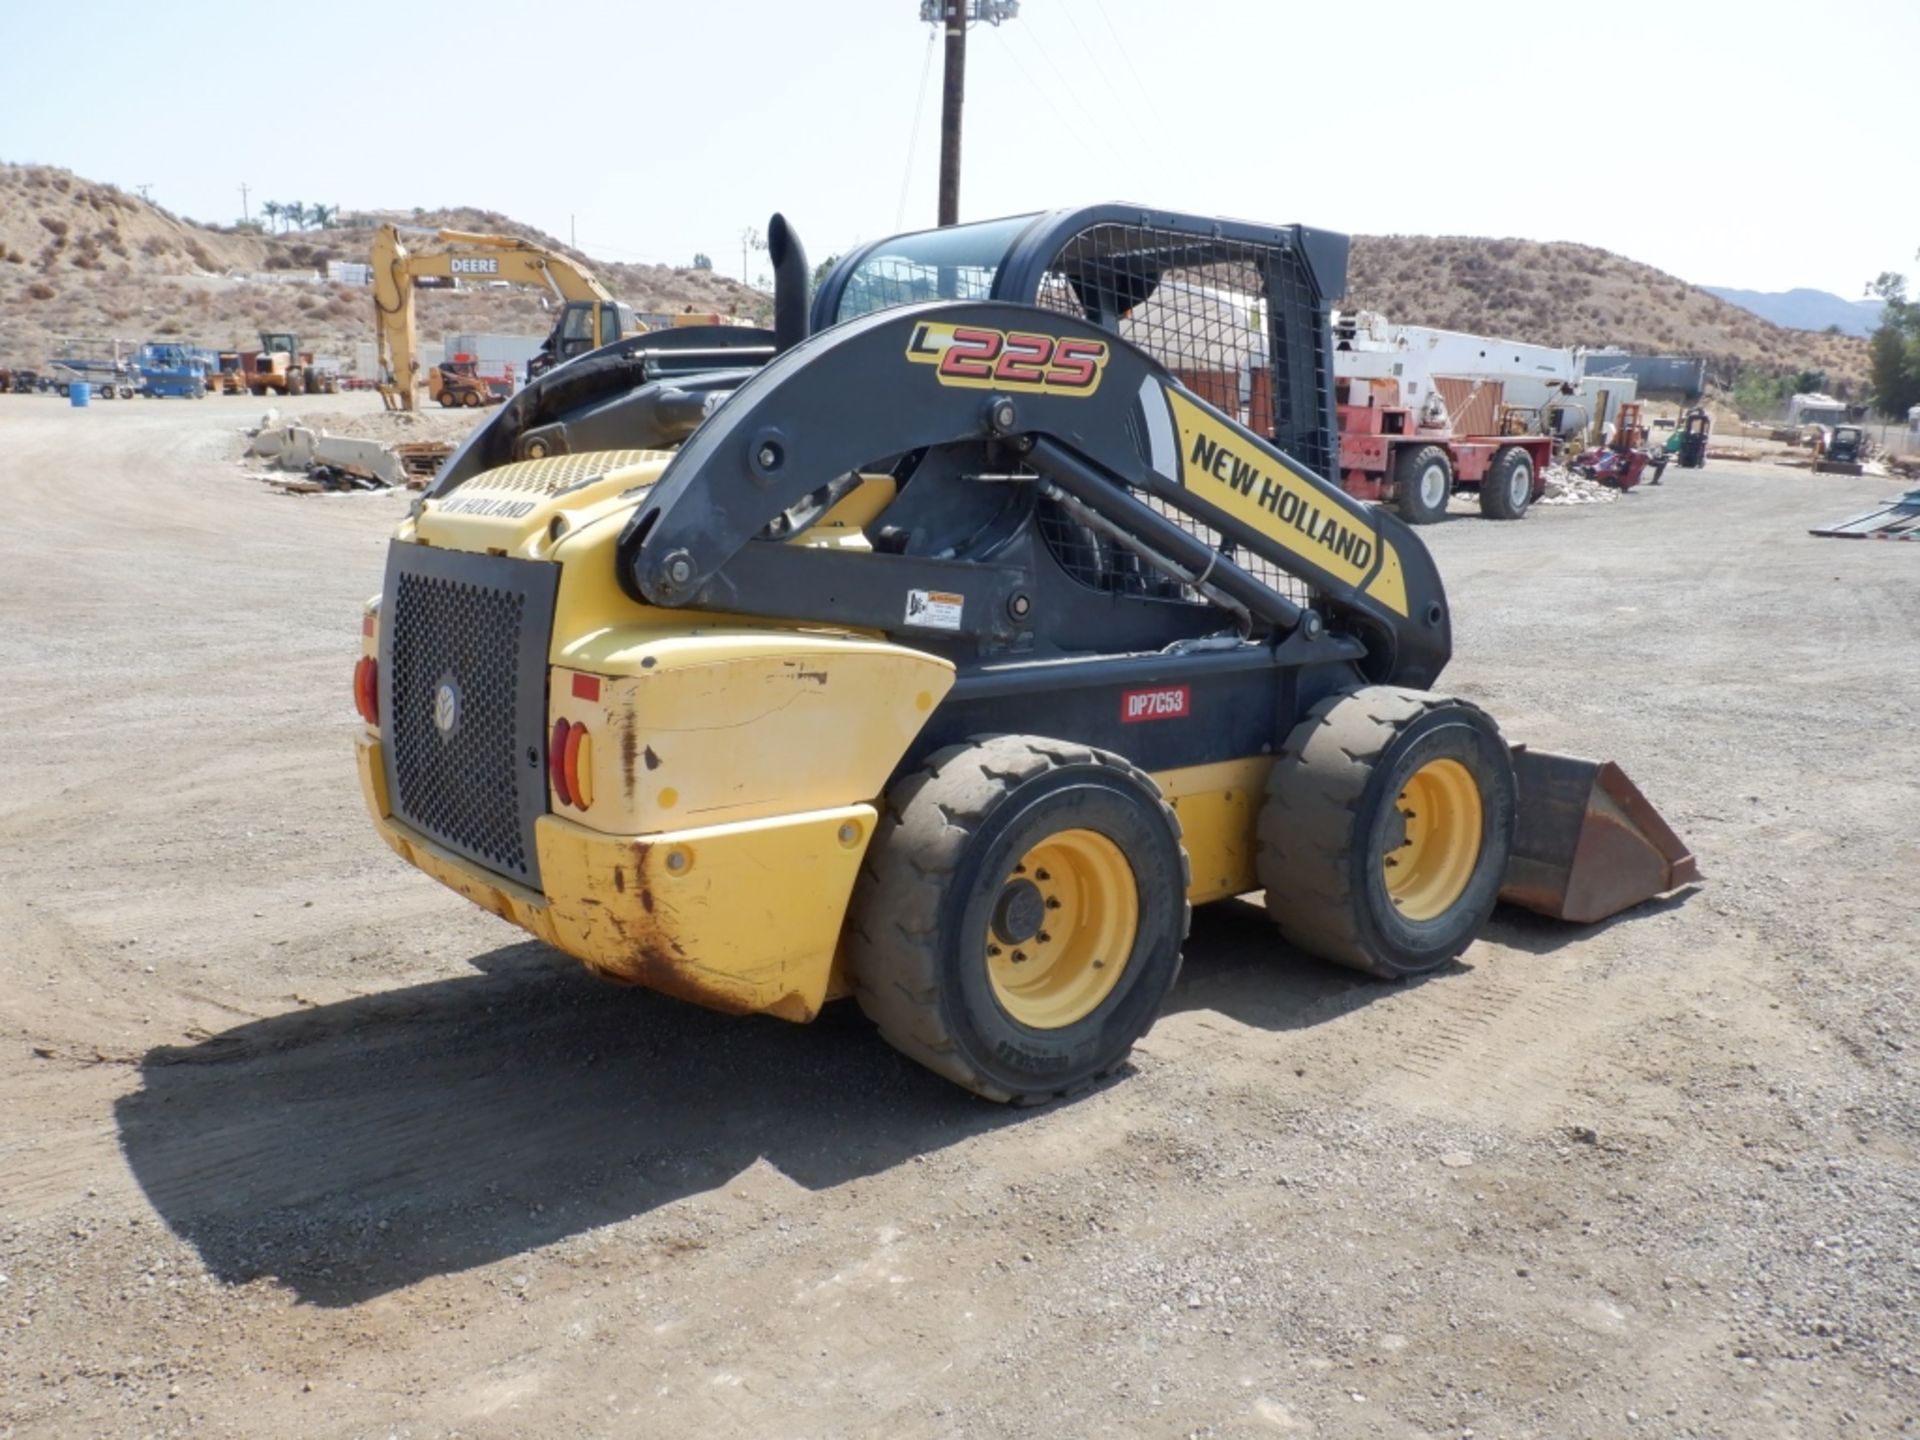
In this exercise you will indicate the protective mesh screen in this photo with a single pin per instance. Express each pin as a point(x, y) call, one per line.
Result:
point(1205, 308)
point(1208, 309)
point(454, 661)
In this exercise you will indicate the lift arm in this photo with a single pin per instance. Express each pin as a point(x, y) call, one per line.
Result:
point(1082, 409)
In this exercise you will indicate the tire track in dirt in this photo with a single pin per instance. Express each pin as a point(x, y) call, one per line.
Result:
point(1509, 1044)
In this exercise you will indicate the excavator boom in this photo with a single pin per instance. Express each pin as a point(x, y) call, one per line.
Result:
point(589, 316)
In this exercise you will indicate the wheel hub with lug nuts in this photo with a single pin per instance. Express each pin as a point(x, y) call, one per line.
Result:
point(1062, 929)
point(1433, 840)
point(1021, 911)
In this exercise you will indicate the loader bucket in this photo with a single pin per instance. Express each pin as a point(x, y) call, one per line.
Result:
point(1586, 843)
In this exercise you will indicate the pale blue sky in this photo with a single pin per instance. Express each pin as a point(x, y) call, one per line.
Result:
point(1699, 138)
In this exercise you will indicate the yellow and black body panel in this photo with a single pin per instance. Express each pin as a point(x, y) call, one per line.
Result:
point(724, 793)
point(664, 634)
point(741, 654)
point(646, 702)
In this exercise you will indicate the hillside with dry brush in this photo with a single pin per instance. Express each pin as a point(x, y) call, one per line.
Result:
point(83, 259)
point(79, 258)
point(1555, 293)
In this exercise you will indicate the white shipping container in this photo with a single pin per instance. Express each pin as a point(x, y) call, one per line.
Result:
point(495, 350)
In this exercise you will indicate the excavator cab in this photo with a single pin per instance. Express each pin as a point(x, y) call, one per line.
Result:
point(585, 325)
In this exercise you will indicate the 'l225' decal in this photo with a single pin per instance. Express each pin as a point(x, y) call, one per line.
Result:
point(974, 357)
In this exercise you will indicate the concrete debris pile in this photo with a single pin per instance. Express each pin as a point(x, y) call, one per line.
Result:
point(1563, 487)
point(336, 463)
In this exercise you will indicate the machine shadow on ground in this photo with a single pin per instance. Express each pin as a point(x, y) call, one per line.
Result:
point(1541, 935)
point(352, 1149)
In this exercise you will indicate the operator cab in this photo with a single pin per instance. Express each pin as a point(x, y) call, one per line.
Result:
point(1238, 311)
point(585, 325)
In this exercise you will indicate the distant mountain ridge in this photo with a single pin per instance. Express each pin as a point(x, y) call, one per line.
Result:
point(1559, 293)
point(1804, 309)
point(83, 259)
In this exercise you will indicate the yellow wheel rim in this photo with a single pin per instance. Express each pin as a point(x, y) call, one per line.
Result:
point(1062, 929)
point(1430, 869)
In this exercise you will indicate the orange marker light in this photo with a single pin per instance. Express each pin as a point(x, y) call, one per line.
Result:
point(580, 767)
point(557, 761)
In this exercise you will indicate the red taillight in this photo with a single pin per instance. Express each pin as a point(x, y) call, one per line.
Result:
point(570, 764)
point(366, 689)
point(557, 761)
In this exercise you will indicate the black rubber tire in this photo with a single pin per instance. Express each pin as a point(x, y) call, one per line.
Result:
point(1407, 472)
point(950, 833)
point(1324, 824)
point(471, 400)
point(1498, 500)
point(448, 399)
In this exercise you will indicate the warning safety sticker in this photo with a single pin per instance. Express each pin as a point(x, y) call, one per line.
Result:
point(934, 609)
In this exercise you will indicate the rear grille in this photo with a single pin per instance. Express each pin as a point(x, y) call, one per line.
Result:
point(464, 700)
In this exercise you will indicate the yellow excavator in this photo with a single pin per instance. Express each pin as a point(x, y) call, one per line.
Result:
point(589, 317)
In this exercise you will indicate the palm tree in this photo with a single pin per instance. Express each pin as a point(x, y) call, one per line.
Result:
point(295, 213)
point(322, 216)
point(272, 209)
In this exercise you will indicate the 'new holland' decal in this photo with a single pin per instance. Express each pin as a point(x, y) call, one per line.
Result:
point(1219, 466)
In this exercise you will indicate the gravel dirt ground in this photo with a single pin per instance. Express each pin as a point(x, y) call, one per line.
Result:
point(295, 1142)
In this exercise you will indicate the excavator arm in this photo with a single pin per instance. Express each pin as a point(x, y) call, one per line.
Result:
point(467, 256)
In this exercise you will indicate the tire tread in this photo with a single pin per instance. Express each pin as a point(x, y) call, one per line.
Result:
point(911, 859)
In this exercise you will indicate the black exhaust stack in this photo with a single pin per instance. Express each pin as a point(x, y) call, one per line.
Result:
point(790, 281)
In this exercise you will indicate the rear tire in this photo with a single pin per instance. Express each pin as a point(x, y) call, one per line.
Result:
point(1384, 837)
point(1422, 481)
point(1506, 490)
point(1018, 920)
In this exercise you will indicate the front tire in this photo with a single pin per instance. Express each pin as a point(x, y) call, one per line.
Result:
point(1384, 837)
point(1018, 921)
point(1506, 490)
point(1422, 481)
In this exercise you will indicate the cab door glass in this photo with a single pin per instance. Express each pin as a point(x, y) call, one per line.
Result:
point(576, 330)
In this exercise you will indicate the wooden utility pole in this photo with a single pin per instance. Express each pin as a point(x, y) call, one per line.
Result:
point(953, 97)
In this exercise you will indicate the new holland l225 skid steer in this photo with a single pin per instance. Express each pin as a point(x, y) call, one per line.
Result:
point(941, 647)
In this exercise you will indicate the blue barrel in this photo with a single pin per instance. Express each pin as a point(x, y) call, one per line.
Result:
point(79, 393)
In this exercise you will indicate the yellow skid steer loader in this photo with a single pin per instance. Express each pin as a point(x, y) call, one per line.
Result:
point(942, 646)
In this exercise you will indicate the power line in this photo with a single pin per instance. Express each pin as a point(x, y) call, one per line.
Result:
point(913, 137)
point(1046, 59)
point(1131, 111)
point(1145, 92)
point(1045, 95)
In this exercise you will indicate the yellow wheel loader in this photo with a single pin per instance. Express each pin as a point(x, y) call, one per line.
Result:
point(942, 646)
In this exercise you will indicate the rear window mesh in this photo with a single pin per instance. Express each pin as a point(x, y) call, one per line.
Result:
point(1204, 308)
